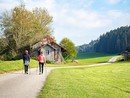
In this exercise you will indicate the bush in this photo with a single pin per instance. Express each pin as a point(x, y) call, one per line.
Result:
point(49, 62)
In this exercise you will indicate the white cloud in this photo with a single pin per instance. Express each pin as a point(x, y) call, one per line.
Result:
point(80, 24)
point(113, 1)
point(115, 13)
point(86, 19)
point(48, 4)
point(7, 4)
point(118, 18)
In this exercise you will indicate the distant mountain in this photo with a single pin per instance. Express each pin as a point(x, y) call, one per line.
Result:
point(87, 47)
point(115, 41)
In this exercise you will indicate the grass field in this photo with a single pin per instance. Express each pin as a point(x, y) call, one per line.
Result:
point(89, 58)
point(91, 55)
point(8, 66)
point(110, 81)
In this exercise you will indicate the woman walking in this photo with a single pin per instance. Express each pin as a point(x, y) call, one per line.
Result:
point(42, 61)
point(26, 61)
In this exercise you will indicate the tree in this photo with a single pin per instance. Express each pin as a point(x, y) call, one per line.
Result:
point(115, 41)
point(3, 44)
point(24, 28)
point(70, 47)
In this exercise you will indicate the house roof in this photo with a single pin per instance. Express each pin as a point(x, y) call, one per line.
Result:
point(62, 49)
point(49, 46)
point(47, 40)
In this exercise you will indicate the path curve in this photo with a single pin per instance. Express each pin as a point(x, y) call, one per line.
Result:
point(20, 85)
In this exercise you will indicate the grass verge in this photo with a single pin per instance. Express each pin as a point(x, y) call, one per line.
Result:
point(110, 81)
point(8, 66)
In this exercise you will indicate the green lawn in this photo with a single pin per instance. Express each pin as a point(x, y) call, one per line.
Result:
point(8, 66)
point(89, 55)
point(109, 81)
point(89, 58)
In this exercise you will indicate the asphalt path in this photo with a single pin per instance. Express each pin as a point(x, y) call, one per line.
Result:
point(20, 85)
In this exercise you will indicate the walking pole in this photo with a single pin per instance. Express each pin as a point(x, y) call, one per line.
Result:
point(22, 69)
point(45, 68)
point(29, 69)
point(37, 69)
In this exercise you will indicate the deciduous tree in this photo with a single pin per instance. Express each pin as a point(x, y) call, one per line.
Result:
point(24, 28)
point(70, 47)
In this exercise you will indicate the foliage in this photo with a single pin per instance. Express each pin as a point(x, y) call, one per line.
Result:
point(3, 44)
point(115, 41)
point(70, 47)
point(49, 62)
point(128, 48)
point(109, 81)
point(23, 28)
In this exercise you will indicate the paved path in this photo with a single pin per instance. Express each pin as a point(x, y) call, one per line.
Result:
point(19, 85)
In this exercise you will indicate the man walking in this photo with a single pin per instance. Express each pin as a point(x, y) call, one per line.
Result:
point(42, 61)
point(26, 61)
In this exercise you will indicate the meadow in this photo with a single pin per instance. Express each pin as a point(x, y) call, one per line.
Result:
point(86, 59)
point(15, 65)
point(109, 81)
point(89, 58)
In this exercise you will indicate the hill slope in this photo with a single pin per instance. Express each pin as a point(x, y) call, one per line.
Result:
point(115, 41)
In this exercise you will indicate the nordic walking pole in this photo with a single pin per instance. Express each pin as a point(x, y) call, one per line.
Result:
point(37, 68)
point(29, 69)
point(45, 68)
point(22, 68)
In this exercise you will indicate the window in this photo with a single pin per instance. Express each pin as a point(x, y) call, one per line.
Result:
point(47, 52)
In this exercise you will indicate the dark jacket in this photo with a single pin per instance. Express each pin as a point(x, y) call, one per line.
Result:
point(26, 57)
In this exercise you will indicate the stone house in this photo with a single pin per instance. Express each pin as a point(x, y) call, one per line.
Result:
point(51, 50)
point(126, 55)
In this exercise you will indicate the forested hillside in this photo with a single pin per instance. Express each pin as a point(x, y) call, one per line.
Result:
point(115, 41)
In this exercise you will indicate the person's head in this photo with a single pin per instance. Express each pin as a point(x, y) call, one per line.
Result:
point(41, 52)
point(26, 51)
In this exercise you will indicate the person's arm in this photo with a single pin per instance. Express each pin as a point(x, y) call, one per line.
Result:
point(29, 57)
point(23, 58)
point(38, 58)
point(44, 59)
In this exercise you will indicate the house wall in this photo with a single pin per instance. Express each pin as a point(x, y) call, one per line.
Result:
point(48, 52)
point(58, 54)
point(52, 52)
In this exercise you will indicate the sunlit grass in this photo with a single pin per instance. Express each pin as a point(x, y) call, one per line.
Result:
point(86, 59)
point(7, 66)
point(109, 81)
point(89, 58)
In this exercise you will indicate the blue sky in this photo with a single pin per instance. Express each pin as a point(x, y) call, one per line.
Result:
point(80, 20)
